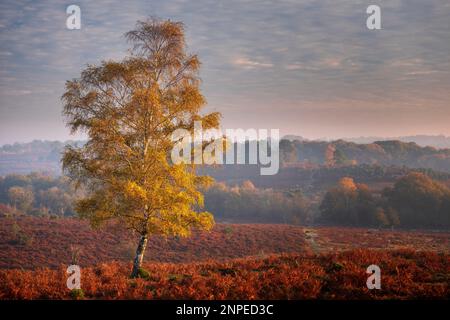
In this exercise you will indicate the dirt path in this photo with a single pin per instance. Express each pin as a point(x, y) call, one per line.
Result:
point(310, 237)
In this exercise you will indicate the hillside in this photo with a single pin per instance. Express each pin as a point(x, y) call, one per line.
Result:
point(28, 242)
point(250, 261)
point(317, 178)
point(436, 141)
point(45, 156)
point(33, 156)
point(385, 153)
point(439, 141)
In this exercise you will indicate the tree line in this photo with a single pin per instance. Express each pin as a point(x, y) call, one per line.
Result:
point(37, 194)
point(42, 195)
point(414, 201)
point(246, 203)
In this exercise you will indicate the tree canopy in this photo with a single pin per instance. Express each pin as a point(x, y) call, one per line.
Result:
point(129, 109)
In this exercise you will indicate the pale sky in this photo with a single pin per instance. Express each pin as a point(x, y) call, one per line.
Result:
point(306, 67)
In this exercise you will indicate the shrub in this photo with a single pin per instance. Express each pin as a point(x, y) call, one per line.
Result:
point(228, 230)
point(77, 294)
point(20, 237)
point(342, 275)
point(143, 274)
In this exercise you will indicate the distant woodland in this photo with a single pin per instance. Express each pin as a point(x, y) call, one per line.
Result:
point(45, 155)
point(382, 184)
point(414, 200)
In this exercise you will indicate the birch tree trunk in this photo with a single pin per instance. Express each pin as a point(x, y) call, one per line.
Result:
point(139, 256)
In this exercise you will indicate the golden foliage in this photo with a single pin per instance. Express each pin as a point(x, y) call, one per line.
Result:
point(129, 110)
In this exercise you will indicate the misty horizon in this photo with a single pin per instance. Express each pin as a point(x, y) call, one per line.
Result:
point(364, 139)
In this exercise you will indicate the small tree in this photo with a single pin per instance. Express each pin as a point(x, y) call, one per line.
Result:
point(129, 109)
point(381, 217)
point(21, 198)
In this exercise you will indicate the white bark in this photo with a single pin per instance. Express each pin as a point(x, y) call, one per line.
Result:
point(139, 256)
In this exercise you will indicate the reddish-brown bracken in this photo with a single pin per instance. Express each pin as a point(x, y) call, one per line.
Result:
point(234, 261)
point(406, 274)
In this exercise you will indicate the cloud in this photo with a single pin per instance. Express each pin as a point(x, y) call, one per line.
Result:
point(16, 93)
point(422, 72)
point(302, 54)
point(247, 63)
